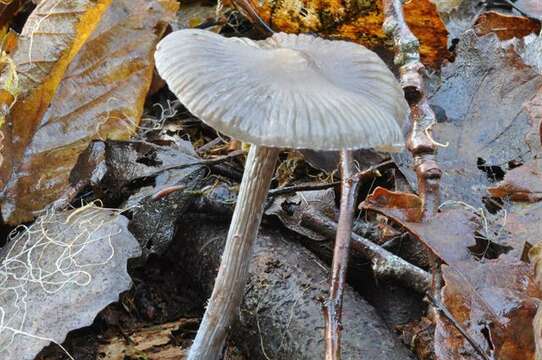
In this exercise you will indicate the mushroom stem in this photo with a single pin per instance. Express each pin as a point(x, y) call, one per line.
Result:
point(232, 276)
point(333, 307)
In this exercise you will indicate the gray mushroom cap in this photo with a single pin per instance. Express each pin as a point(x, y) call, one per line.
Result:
point(288, 91)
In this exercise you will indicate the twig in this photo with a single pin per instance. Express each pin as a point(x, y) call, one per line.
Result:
point(206, 162)
point(385, 265)
point(208, 146)
point(322, 186)
point(341, 252)
point(302, 187)
point(419, 141)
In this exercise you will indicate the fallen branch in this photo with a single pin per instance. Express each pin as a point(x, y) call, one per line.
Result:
point(419, 141)
point(385, 265)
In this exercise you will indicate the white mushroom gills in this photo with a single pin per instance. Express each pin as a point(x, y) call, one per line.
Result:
point(288, 91)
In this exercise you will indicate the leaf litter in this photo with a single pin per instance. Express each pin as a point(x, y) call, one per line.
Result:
point(486, 105)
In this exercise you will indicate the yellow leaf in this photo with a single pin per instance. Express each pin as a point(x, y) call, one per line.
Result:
point(359, 21)
point(94, 89)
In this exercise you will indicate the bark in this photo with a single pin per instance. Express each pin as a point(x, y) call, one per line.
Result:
point(281, 315)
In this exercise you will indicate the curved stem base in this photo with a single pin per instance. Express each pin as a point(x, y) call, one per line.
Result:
point(232, 276)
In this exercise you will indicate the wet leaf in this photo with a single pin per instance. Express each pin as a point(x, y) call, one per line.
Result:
point(523, 183)
point(460, 19)
point(58, 274)
point(449, 234)
point(447, 6)
point(356, 21)
point(505, 26)
point(494, 302)
point(105, 50)
point(480, 106)
point(195, 14)
point(530, 49)
point(522, 228)
point(532, 8)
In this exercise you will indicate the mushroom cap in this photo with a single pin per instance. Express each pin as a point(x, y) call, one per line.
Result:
point(288, 91)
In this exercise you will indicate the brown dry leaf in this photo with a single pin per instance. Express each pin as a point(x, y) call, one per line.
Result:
point(449, 234)
point(356, 21)
point(105, 49)
point(505, 26)
point(494, 302)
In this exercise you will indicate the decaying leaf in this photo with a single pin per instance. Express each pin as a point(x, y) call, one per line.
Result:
point(460, 18)
point(505, 26)
point(153, 343)
point(481, 116)
point(56, 275)
point(494, 302)
point(105, 49)
point(532, 8)
point(194, 14)
point(447, 6)
point(449, 234)
point(359, 21)
point(523, 183)
point(530, 48)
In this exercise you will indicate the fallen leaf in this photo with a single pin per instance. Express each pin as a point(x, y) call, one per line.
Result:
point(523, 183)
point(447, 6)
point(449, 234)
point(58, 274)
point(532, 8)
point(481, 115)
point(106, 50)
point(505, 26)
point(530, 48)
point(355, 21)
point(195, 14)
point(522, 227)
point(494, 302)
point(460, 19)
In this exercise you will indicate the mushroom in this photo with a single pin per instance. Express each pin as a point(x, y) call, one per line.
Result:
point(285, 92)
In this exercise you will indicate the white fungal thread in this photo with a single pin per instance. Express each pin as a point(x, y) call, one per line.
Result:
point(23, 270)
point(427, 132)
